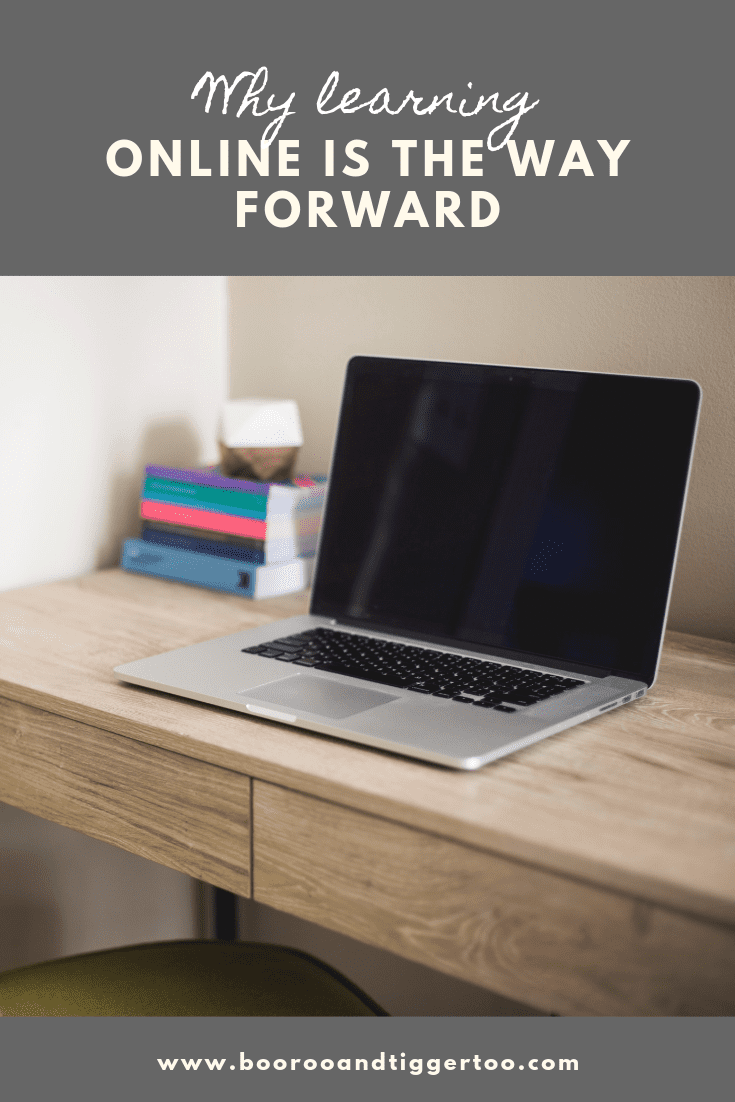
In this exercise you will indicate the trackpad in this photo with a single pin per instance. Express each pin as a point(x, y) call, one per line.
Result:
point(319, 695)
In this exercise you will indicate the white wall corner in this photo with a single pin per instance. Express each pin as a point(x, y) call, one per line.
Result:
point(98, 377)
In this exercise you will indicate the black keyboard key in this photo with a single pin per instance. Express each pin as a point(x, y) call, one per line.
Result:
point(418, 669)
point(394, 681)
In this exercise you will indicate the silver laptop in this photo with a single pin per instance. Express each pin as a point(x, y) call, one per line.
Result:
point(495, 563)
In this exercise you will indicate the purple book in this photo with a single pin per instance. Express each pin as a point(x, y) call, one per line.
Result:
point(210, 476)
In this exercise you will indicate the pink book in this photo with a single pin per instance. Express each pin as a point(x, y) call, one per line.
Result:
point(200, 518)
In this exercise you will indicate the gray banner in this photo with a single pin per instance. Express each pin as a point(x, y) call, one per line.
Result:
point(400, 1058)
point(621, 164)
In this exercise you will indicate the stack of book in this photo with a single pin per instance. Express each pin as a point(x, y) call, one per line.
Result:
point(256, 539)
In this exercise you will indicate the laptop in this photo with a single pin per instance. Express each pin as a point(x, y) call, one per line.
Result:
point(495, 563)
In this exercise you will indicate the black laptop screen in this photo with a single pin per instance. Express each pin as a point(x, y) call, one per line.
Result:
point(522, 511)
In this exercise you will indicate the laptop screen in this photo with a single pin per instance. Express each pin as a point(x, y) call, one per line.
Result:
point(525, 512)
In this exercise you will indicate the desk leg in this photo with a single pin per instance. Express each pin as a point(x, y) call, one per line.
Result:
point(225, 915)
point(218, 913)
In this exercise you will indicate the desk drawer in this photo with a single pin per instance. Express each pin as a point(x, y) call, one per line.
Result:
point(557, 944)
point(179, 812)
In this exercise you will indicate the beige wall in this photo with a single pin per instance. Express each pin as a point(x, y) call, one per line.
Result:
point(291, 337)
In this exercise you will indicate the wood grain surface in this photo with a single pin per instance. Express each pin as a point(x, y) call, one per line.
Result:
point(640, 801)
point(186, 814)
point(554, 943)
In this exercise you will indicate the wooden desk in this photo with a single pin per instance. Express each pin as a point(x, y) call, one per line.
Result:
point(593, 873)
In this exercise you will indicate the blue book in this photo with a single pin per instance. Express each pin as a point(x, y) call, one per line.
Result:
point(220, 548)
point(215, 571)
point(275, 549)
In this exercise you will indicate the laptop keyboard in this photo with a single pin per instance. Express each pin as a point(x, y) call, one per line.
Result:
point(401, 666)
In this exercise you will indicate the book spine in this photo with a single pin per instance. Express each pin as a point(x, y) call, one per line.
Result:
point(270, 550)
point(306, 492)
point(208, 477)
point(213, 572)
point(293, 526)
point(203, 518)
point(206, 497)
point(222, 548)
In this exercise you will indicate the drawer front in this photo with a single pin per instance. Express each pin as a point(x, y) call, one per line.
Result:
point(179, 812)
point(557, 944)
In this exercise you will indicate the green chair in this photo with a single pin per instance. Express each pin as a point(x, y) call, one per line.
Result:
point(184, 979)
